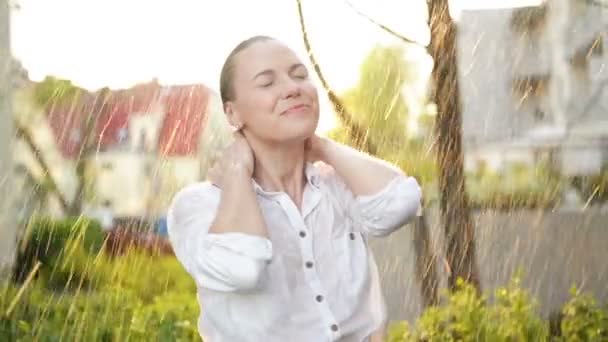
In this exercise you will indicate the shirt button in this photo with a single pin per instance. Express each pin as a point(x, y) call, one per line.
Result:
point(302, 233)
point(319, 298)
point(309, 264)
point(352, 236)
point(334, 327)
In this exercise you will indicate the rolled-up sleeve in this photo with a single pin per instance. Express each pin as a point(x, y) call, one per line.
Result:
point(223, 262)
point(380, 214)
point(389, 209)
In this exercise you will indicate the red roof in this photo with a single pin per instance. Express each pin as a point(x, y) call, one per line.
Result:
point(185, 107)
point(67, 123)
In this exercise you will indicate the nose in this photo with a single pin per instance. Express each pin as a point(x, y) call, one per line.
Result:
point(291, 89)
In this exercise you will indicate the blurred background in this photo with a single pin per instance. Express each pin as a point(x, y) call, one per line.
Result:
point(497, 107)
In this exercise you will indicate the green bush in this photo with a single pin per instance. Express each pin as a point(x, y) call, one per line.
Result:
point(583, 319)
point(468, 316)
point(170, 317)
point(135, 298)
point(99, 316)
point(61, 246)
point(593, 188)
point(519, 187)
point(149, 276)
point(511, 315)
point(42, 315)
point(83, 294)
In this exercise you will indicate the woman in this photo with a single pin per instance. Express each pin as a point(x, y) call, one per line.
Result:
point(277, 244)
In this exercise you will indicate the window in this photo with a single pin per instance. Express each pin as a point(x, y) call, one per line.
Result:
point(527, 90)
point(20, 169)
point(539, 114)
point(529, 19)
point(107, 166)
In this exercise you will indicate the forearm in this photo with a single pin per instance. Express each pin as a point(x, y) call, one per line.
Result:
point(362, 173)
point(238, 211)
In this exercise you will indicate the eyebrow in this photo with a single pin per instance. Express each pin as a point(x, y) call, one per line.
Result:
point(270, 72)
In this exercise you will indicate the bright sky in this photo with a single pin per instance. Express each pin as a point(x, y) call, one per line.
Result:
point(117, 43)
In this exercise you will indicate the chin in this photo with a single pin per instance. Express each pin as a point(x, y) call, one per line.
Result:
point(298, 132)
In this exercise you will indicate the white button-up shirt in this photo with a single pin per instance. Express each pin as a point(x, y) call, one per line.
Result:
point(313, 279)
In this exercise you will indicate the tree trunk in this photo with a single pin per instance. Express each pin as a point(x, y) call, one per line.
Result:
point(8, 224)
point(426, 263)
point(454, 204)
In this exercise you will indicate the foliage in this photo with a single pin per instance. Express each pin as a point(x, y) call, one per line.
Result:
point(417, 159)
point(110, 314)
point(53, 90)
point(593, 188)
point(49, 241)
point(511, 315)
point(467, 316)
point(583, 319)
point(83, 294)
point(138, 270)
point(47, 316)
point(399, 331)
point(519, 186)
point(376, 102)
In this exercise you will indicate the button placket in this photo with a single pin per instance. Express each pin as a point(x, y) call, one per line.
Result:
point(305, 241)
point(312, 277)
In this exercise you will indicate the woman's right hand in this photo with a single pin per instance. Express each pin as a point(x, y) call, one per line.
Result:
point(236, 158)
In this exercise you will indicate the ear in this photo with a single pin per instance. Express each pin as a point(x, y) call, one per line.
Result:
point(233, 115)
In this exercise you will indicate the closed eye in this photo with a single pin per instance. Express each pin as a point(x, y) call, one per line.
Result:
point(266, 84)
point(265, 81)
point(298, 71)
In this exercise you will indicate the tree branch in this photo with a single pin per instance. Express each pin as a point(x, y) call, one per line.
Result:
point(358, 134)
point(24, 133)
point(382, 26)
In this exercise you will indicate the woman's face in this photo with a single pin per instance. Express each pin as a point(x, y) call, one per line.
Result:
point(274, 98)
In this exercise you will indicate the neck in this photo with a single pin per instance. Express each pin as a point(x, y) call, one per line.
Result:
point(280, 169)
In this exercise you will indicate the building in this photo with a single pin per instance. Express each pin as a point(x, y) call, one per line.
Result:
point(533, 85)
point(160, 153)
point(144, 144)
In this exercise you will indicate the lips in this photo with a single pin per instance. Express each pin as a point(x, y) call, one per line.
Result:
point(296, 108)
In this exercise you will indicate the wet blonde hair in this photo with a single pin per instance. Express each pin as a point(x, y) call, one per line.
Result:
point(227, 73)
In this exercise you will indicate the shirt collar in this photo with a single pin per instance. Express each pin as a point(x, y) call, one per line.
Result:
point(312, 177)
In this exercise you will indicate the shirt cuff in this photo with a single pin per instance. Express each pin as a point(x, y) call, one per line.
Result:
point(252, 246)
